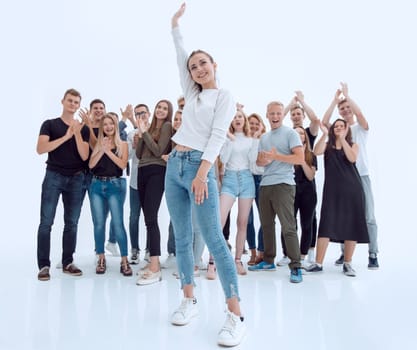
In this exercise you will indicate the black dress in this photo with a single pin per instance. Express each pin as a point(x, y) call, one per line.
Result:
point(343, 205)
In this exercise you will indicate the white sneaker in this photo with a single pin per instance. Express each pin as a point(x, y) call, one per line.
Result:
point(113, 249)
point(284, 261)
point(185, 312)
point(149, 277)
point(170, 262)
point(232, 332)
point(310, 257)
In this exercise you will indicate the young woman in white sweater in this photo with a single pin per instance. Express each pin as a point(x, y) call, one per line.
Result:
point(190, 183)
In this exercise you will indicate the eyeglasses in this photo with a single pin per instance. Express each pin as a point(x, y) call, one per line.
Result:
point(139, 114)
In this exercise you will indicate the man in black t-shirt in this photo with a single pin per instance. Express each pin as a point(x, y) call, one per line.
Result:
point(65, 140)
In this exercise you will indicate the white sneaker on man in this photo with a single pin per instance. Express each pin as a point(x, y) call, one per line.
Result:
point(112, 248)
point(170, 262)
point(232, 332)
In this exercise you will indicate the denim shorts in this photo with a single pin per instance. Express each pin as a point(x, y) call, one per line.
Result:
point(238, 184)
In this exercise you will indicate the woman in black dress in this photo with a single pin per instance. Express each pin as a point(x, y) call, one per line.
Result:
point(342, 217)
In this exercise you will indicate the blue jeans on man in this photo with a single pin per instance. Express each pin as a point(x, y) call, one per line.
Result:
point(71, 188)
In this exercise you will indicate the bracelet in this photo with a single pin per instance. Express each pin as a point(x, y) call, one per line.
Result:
point(204, 181)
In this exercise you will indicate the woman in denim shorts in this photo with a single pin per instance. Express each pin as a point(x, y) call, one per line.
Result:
point(238, 180)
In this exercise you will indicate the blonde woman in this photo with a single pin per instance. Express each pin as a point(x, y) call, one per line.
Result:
point(108, 190)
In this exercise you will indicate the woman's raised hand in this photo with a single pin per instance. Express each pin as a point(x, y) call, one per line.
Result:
point(177, 15)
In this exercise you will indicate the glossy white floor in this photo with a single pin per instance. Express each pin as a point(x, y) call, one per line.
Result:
point(375, 310)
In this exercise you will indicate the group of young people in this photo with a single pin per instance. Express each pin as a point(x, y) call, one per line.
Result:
point(204, 159)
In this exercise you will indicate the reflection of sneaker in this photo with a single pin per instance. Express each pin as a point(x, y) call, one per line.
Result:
point(348, 270)
point(43, 274)
point(373, 262)
point(340, 260)
point(147, 256)
point(149, 277)
point(134, 258)
point(59, 265)
point(170, 262)
point(185, 312)
point(314, 268)
point(112, 249)
point(211, 271)
point(262, 266)
point(284, 261)
point(296, 276)
point(232, 331)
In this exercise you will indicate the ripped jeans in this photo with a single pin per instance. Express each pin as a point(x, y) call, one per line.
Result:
point(181, 170)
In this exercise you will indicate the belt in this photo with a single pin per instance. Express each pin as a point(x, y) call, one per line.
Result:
point(105, 178)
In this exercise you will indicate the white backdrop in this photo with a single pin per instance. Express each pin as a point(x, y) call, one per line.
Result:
point(122, 53)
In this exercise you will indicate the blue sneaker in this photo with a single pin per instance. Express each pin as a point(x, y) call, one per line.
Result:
point(262, 266)
point(296, 276)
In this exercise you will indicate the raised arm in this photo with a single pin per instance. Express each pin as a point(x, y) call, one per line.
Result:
point(320, 146)
point(187, 83)
point(314, 120)
point(330, 110)
point(355, 108)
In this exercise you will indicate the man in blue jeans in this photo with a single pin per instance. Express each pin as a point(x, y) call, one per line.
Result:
point(65, 140)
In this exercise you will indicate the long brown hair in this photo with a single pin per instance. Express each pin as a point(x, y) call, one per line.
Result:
point(153, 130)
point(308, 154)
point(331, 143)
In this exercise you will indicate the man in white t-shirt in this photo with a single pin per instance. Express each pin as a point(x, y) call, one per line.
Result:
point(348, 110)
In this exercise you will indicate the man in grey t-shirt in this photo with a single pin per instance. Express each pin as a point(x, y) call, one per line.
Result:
point(279, 150)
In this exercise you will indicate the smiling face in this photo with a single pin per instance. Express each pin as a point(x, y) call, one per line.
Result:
point(98, 110)
point(275, 114)
point(297, 117)
point(345, 111)
point(161, 111)
point(202, 69)
point(339, 127)
point(108, 126)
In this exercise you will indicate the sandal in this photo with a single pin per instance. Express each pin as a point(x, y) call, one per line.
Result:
point(211, 271)
point(125, 269)
point(252, 260)
point(101, 266)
